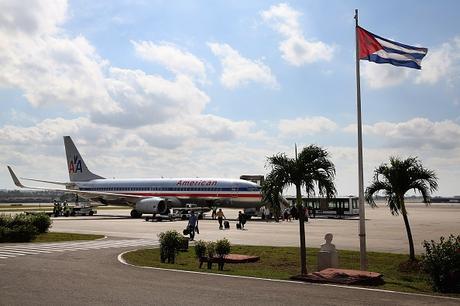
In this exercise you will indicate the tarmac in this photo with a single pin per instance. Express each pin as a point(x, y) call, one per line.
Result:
point(385, 232)
point(96, 277)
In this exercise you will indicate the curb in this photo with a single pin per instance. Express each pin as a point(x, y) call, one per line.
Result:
point(121, 260)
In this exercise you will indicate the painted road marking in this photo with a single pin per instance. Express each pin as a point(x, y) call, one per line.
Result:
point(14, 250)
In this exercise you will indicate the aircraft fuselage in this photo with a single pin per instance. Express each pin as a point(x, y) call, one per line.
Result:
point(177, 192)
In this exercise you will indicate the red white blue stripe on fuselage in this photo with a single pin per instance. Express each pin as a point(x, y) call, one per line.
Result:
point(236, 192)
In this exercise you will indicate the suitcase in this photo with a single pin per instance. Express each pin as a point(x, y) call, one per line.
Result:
point(226, 224)
point(238, 226)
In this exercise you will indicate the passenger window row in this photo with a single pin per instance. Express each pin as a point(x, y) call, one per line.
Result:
point(152, 189)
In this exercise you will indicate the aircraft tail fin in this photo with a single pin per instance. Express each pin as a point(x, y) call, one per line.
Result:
point(78, 172)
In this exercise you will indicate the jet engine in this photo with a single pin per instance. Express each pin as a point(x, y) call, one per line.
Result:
point(152, 205)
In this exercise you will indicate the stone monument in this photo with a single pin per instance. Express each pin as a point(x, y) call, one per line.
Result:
point(327, 255)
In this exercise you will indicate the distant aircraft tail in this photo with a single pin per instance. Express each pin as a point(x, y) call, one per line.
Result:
point(78, 172)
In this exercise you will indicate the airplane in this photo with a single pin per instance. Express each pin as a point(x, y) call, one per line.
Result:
point(150, 196)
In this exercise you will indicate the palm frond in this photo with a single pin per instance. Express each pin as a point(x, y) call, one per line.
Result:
point(272, 192)
point(373, 189)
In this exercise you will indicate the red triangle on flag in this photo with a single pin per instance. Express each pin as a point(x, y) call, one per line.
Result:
point(367, 43)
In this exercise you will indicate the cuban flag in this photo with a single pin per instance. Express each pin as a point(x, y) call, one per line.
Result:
point(383, 51)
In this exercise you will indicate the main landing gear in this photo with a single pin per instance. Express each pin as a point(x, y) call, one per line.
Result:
point(135, 214)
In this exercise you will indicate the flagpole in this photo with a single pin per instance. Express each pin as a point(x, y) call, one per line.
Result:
point(362, 226)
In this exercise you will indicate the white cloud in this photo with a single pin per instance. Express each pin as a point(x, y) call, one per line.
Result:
point(441, 63)
point(306, 126)
point(46, 132)
point(197, 132)
point(150, 99)
point(47, 66)
point(379, 75)
point(37, 18)
point(191, 132)
point(295, 48)
point(284, 19)
point(415, 133)
point(19, 117)
point(217, 129)
point(299, 51)
point(171, 57)
point(238, 70)
point(52, 69)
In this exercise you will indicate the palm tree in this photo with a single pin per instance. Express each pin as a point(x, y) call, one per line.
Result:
point(311, 168)
point(272, 195)
point(395, 179)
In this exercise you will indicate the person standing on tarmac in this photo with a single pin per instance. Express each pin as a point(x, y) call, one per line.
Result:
point(220, 218)
point(241, 220)
point(214, 213)
point(192, 224)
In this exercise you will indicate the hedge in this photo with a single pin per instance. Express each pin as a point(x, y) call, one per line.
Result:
point(22, 227)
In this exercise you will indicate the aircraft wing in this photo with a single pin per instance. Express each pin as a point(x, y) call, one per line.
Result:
point(86, 194)
point(48, 182)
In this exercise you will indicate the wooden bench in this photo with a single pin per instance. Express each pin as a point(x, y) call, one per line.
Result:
point(230, 258)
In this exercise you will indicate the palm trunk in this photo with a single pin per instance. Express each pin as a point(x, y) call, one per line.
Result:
point(303, 251)
point(409, 233)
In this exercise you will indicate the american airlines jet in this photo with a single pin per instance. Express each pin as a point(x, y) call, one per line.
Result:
point(151, 196)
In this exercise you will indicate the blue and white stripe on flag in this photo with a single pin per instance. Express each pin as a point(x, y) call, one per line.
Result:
point(384, 51)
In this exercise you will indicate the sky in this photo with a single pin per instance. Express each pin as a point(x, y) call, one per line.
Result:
point(212, 88)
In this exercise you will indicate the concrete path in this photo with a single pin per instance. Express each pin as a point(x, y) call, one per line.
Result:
point(95, 277)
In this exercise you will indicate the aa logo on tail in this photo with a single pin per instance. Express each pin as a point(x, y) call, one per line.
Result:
point(75, 165)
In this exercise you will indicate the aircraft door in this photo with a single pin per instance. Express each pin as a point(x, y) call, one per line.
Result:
point(234, 191)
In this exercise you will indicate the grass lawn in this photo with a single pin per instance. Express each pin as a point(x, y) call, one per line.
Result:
point(46, 208)
point(57, 237)
point(283, 262)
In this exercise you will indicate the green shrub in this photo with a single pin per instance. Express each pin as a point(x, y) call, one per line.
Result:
point(222, 247)
point(442, 262)
point(210, 249)
point(21, 227)
point(210, 252)
point(184, 242)
point(4, 220)
point(3, 233)
point(20, 233)
point(19, 220)
point(41, 221)
point(170, 243)
point(200, 249)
